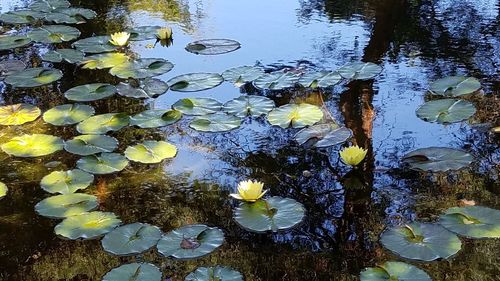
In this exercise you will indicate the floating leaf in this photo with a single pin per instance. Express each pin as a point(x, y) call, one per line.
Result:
point(106, 60)
point(66, 182)
point(67, 205)
point(141, 33)
point(212, 46)
point(90, 92)
point(103, 123)
point(87, 225)
point(197, 106)
point(68, 55)
point(150, 152)
point(323, 135)
point(221, 273)
point(3, 190)
point(8, 42)
point(18, 114)
point(438, 159)
point(70, 15)
point(242, 74)
point(270, 214)
point(33, 77)
point(7, 67)
point(148, 88)
point(321, 79)
point(472, 221)
point(21, 17)
point(53, 34)
point(90, 144)
point(421, 241)
point(155, 118)
point(360, 70)
point(394, 270)
point(68, 114)
point(194, 82)
point(135, 272)
point(48, 5)
point(190, 241)
point(253, 106)
point(295, 115)
point(131, 239)
point(446, 111)
point(455, 86)
point(276, 80)
point(96, 44)
point(218, 122)
point(32, 145)
point(104, 163)
point(141, 68)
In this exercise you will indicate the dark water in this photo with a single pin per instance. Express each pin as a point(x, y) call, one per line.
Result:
point(416, 42)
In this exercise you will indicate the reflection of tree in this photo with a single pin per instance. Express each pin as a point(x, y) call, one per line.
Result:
point(170, 10)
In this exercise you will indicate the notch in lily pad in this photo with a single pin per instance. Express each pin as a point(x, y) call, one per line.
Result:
point(66, 182)
point(213, 46)
point(104, 163)
point(90, 225)
point(321, 79)
point(33, 77)
point(68, 114)
point(394, 270)
point(472, 221)
point(90, 92)
point(155, 118)
point(64, 55)
point(95, 45)
point(34, 145)
point(134, 271)
point(218, 122)
point(360, 70)
point(150, 152)
point(103, 123)
point(8, 42)
point(66, 205)
point(242, 74)
point(141, 68)
point(90, 144)
point(323, 135)
point(295, 115)
point(446, 111)
point(131, 239)
point(51, 34)
point(250, 105)
point(103, 61)
point(438, 159)
point(194, 82)
point(70, 15)
point(142, 89)
point(18, 114)
point(455, 86)
point(222, 273)
point(197, 106)
point(21, 17)
point(278, 80)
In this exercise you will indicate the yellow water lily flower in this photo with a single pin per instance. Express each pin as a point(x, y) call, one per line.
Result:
point(353, 155)
point(119, 39)
point(164, 33)
point(249, 191)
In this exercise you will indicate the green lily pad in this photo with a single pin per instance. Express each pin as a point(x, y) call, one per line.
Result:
point(32, 145)
point(90, 144)
point(67, 205)
point(53, 34)
point(135, 272)
point(94, 45)
point(145, 89)
point(8, 42)
point(70, 15)
point(90, 92)
point(20, 17)
point(104, 163)
point(66, 182)
point(253, 106)
point(276, 80)
point(421, 241)
point(218, 122)
point(323, 135)
point(455, 86)
point(141, 33)
point(155, 118)
point(3, 190)
point(212, 46)
point(197, 106)
point(270, 214)
point(190, 241)
point(106, 60)
point(131, 239)
point(87, 225)
point(321, 79)
point(221, 273)
point(360, 70)
point(68, 114)
point(67, 55)
point(446, 111)
point(150, 152)
point(18, 114)
point(48, 5)
point(7, 67)
point(141, 68)
point(472, 221)
point(194, 82)
point(438, 159)
point(103, 123)
point(242, 74)
point(33, 77)
point(295, 115)
point(394, 270)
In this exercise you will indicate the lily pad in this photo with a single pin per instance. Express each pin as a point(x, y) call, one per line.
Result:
point(218, 122)
point(68, 114)
point(145, 89)
point(190, 241)
point(155, 118)
point(7, 67)
point(90, 144)
point(197, 106)
point(32, 145)
point(141, 33)
point(141, 68)
point(3, 190)
point(94, 45)
point(103, 123)
point(321, 79)
point(70, 15)
point(194, 82)
point(421, 241)
point(270, 214)
point(20, 17)
point(104, 163)
point(455, 86)
point(131, 239)
point(67, 205)
point(8, 42)
point(60, 55)
point(221, 273)
point(323, 135)
point(18, 114)
point(66, 182)
point(134, 271)
point(472, 221)
point(106, 60)
point(438, 159)
point(360, 70)
point(242, 74)
point(276, 80)
point(87, 225)
point(394, 270)
point(253, 106)
point(33, 77)
point(90, 92)
point(213, 46)
point(48, 5)
point(150, 152)
point(295, 115)
point(446, 111)
point(54, 34)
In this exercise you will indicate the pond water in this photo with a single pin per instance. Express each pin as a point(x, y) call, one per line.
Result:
point(415, 42)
